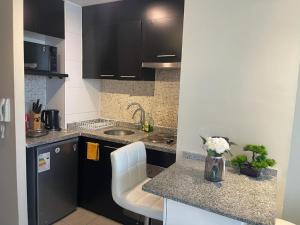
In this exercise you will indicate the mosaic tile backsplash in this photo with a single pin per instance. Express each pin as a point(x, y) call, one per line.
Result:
point(160, 98)
point(35, 88)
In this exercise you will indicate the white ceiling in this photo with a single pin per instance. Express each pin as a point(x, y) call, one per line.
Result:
point(91, 2)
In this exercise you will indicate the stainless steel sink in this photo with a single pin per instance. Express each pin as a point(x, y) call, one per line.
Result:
point(119, 132)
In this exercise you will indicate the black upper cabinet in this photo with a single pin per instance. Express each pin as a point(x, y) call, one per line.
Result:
point(158, 9)
point(91, 56)
point(106, 38)
point(162, 39)
point(129, 49)
point(99, 46)
point(99, 51)
point(129, 52)
point(30, 15)
point(113, 51)
point(45, 17)
point(119, 36)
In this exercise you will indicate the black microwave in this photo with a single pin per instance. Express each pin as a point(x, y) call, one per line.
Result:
point(40, 57)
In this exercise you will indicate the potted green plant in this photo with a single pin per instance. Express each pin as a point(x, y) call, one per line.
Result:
point(259, 161)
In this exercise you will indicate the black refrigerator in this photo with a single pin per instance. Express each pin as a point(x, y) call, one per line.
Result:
point(52, 172)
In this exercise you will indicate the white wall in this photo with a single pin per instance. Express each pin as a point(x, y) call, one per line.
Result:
point(81, 96)
point(239, 74)
point(56, 87)
point(292, 192)
point(13, 203)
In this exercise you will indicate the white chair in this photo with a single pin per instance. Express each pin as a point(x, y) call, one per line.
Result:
point(128, 176)
point(282, 222)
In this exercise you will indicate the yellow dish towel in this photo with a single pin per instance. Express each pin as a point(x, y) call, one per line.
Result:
point(93, 151)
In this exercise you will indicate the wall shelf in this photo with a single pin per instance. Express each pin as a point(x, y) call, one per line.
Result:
point(45, 73)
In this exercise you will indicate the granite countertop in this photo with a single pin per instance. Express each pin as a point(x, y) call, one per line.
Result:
point(55, 136)
point(239, 197)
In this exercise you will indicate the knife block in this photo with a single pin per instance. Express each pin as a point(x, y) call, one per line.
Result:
point(36, 121)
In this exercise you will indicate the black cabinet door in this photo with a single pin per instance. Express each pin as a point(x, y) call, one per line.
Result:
point(162, 39)
point(30, 15)
point(129, 50)
point(157, 9)
point(95, 181)
point(112, 42)
point(106, 45)
point(52, 189)
point(45, 17)
point(91, 55)
point(100, 51)
point(114, 51)
point(162, 159)
point(57, 182)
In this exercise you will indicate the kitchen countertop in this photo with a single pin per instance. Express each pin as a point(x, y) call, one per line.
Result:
point(55, 136)
point(239, 197)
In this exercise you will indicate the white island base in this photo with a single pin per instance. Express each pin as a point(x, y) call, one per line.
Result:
point(176, 213)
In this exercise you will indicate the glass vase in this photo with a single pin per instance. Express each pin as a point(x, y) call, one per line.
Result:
point(214, 168)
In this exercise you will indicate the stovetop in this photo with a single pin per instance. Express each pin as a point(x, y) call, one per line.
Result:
point(161, 138)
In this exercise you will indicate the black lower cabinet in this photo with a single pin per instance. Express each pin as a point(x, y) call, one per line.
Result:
point(161, 159)
point(95, 182)
point(94, 187)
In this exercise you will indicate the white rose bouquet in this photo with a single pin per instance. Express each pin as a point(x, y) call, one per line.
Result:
point(217, 146)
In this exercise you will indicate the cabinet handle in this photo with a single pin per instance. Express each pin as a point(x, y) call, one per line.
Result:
point(128, 76)
point(57, 150)
point(165, 56)
point(110, 147)
point(106, 75)
point(75, 147)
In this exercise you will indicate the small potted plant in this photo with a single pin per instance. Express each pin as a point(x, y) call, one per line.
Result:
point(215, 162)
point(259, 161)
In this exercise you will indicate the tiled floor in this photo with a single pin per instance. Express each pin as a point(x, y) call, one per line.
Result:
point(84, 217)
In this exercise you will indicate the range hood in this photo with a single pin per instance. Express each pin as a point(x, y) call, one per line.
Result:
point(162, 65)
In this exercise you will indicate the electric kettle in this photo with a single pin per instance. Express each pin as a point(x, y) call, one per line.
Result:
point(50, 118)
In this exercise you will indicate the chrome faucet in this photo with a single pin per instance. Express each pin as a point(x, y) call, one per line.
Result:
point(140, 108)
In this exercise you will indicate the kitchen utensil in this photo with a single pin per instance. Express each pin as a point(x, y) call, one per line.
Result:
point(37, 107)
point(33, 107)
